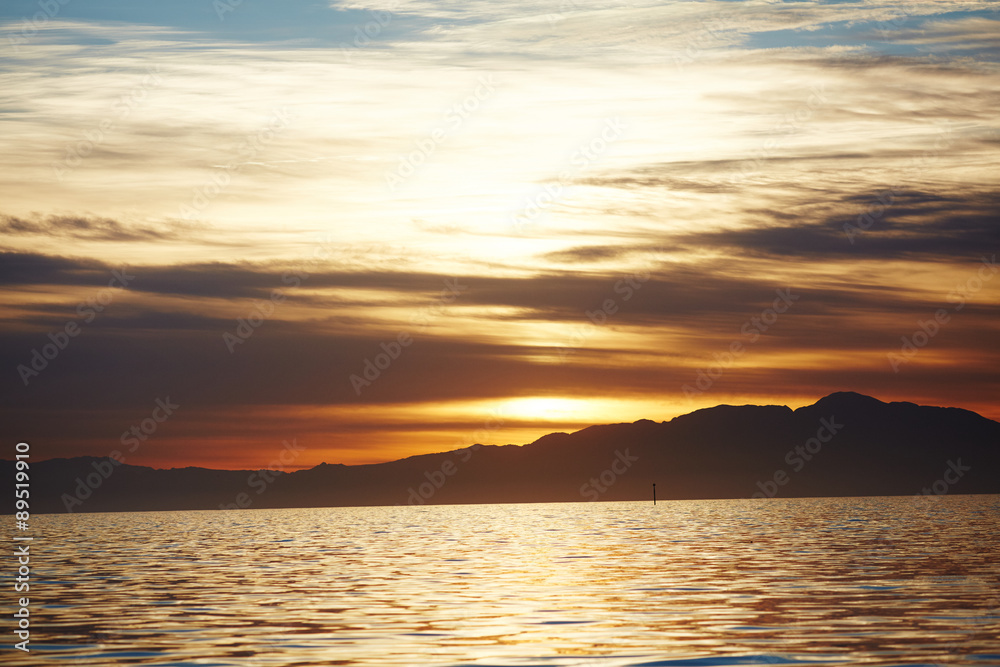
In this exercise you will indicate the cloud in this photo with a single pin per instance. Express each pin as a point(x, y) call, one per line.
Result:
point(591, 253)
point(972, 33)
point(914, 225)
point(93, 228)
point(37, 269)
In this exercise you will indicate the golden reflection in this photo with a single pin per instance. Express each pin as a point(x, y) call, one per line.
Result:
point(733, 582)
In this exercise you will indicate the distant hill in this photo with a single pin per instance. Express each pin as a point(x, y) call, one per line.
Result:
point(846, 444)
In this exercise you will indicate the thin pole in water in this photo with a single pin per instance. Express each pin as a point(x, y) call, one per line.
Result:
point(654, 493)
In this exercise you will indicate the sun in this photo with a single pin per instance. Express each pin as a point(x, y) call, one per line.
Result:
point(545, 408)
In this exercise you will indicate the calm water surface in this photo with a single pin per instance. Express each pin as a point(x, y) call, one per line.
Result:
point(877, 581)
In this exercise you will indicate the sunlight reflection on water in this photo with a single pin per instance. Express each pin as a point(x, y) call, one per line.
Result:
point(880, 581)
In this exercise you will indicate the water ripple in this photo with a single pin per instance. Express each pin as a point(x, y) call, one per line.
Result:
point(879, 581)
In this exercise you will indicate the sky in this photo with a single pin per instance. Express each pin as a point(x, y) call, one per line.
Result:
point(379, 230)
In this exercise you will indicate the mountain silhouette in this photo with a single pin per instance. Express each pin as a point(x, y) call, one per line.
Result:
point(845, 444)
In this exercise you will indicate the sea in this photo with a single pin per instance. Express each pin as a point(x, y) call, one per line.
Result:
point(818, 581)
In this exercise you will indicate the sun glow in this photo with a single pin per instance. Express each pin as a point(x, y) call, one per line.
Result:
point(546, 408)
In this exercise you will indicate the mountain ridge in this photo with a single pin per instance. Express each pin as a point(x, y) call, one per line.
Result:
point(845, 443)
